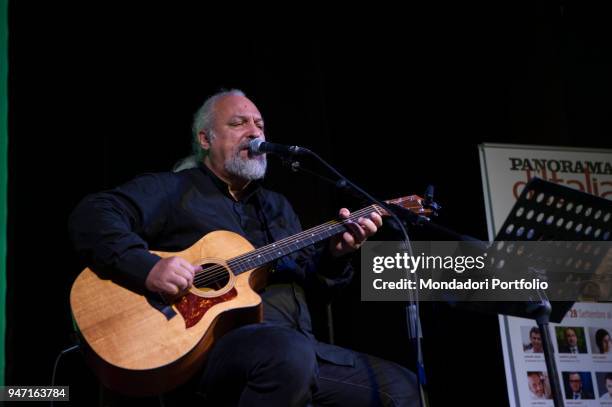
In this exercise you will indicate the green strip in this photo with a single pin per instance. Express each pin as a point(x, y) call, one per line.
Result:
point(3, 173)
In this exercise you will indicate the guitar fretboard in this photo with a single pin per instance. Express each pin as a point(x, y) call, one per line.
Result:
point(276, 250)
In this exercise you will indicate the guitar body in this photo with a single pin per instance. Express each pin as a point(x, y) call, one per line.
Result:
point(135, 349)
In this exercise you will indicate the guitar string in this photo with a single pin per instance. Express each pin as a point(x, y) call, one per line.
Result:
point(217, 273)
point(208, 275)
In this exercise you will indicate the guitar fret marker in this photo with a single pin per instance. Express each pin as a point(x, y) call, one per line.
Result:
point(312, 235)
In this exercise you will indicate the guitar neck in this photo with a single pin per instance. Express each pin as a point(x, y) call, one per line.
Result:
point(276, 250)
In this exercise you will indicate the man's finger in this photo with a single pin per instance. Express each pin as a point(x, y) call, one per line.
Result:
point(181, 282)
point(356, 232)
point(348, 238)
point(185, 273)
point(186, 269)
point(376, 218)
point(369, 226)
point(344, 213)
point(170, 288)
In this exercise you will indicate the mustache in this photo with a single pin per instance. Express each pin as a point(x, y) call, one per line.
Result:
point(245, 146)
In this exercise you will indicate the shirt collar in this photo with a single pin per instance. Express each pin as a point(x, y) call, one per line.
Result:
point(251, 189)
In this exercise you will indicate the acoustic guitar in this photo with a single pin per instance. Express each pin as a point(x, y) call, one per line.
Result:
point(140, 344)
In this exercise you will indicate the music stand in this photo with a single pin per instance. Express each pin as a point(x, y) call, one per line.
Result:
point(550, 212)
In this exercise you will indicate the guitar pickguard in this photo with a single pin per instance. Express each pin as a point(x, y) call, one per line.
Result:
point(193, 307)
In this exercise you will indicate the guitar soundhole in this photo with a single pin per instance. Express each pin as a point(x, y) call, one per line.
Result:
point(213, 277)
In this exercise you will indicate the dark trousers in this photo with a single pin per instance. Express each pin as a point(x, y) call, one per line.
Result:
point(268, 365)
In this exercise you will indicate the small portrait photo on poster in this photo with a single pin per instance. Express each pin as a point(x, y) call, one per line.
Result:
point(571, 339)
point(531, 339)
point(600, 340)
point(539, 386)
point(578, 386)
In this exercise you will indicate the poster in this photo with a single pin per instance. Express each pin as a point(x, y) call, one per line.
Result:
point(582, 345)
point(582, 339)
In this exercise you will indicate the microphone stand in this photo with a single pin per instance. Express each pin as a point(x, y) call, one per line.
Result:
point(412, 309)
point(539, 309)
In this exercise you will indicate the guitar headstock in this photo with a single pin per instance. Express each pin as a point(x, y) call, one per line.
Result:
point(413, 203)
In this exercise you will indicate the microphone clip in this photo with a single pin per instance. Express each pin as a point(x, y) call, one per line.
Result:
point(294, 165)
point(428, 201)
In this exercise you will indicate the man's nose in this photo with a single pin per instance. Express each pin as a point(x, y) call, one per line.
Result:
point(253, 136)
point(255, 131)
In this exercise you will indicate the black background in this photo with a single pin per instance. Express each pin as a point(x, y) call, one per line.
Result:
point(396, 99)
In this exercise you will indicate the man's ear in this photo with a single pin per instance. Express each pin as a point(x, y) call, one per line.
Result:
point(204, 140)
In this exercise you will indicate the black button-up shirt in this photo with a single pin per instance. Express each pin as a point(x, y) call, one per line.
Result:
point(114, 230)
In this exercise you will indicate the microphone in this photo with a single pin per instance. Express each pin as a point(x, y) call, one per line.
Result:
point(258, 146)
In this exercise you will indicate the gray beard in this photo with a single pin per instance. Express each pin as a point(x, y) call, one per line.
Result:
point(250, 169)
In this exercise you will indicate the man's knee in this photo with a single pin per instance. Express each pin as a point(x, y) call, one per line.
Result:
point(261, 358)
point(285, 367)
point(288, 353)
